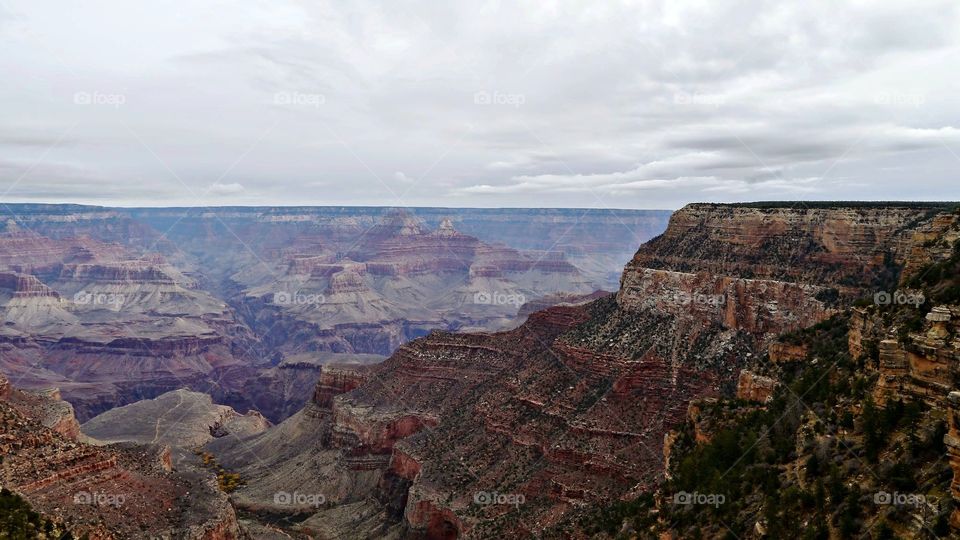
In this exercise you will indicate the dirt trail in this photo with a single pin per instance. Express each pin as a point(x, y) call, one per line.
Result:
point(156, 429)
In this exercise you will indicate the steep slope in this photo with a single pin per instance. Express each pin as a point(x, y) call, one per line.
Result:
point(117, 491)
point(513, 433)
point(847, 429)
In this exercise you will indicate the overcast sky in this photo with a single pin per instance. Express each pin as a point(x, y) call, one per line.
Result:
point(594, 104)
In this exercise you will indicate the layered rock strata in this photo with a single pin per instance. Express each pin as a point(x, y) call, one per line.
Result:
point(117, 491)
point(573, 407)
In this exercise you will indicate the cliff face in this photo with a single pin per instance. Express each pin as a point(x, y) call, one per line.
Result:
point(913, 334)
point(831, 245)
point(856, 416)
point(572, 408)
point(102, 492)
point(769, 269)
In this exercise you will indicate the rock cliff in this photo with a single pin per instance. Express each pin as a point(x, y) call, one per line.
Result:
point(844, 428)
point(510, 433)
point(116, 491)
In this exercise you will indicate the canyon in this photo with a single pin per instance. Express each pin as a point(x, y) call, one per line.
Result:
point(112, 306)
point(583, 403)
point(571, 409)
point(101, 492)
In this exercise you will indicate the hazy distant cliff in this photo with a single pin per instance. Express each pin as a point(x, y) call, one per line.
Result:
point(114, 305)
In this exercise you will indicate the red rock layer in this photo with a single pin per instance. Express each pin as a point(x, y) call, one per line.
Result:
point(573, 407)
point(102, 492)
point(25, 286)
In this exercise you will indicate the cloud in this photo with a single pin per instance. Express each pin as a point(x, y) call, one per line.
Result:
point(638, 105)
point(225, 189)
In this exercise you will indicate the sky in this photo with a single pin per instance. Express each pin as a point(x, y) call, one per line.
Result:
point(478, 104)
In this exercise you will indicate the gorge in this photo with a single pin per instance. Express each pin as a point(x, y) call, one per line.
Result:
point(587, 419)
point(116, 305)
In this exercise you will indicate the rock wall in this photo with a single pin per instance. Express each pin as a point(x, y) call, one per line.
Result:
point(834, 244)
point(754, 387)
point(752, 305)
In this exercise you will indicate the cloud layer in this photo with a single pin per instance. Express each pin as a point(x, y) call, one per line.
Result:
point(633, 104)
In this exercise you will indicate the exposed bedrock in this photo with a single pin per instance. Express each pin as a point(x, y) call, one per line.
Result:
point(574, 406)
point(116, 491)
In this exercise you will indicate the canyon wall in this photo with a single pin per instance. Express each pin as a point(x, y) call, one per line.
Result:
point(510, 433)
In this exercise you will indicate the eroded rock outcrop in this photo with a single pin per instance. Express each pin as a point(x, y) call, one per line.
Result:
point(179, 418)
point(780, 352)
point(754, 387)
point(118, 491)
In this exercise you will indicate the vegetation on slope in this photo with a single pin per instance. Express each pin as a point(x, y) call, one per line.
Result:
point(18, 521)
point(819, 461)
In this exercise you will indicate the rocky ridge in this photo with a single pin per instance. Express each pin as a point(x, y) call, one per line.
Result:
point(844, 429)
point(115, 491)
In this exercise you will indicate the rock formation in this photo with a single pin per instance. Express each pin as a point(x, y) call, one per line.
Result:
point(116, 491)
point(573, 407)
point(116, 305)
point(179, 418)
point(847, 414)
point(107, 327)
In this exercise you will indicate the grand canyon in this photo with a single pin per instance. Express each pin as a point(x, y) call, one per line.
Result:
point(112, 306)
point(420, 270)
point(580, 413)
